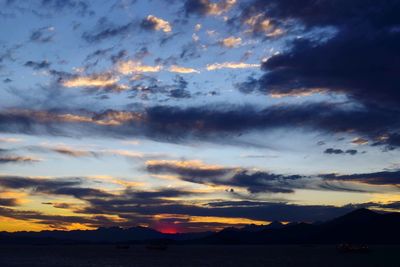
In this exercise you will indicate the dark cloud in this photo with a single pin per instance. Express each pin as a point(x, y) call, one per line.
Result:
point(264, 182)
point(196, 6)
point(248, 86)
point(176, 124)
point(375, 178)
point(54, 221)
point(38, 65)
point(47, 8)
point(356, 56)
point(189, 172)
point(340, 151)
point(7, 53)
point(207, 7)
point(254, 182)
point(119, 55)
point(53, 186)
point(36, 184)
point(80, 192)
point(16, 159)
point(348, 63)
point(179, 90)
point(81, 7)
point(8, 202)
point(105, 31)
point(42, 35)
point(98, 54)
point(339, 13)
point(189, 51)
point(168, 38)
point(268, 182)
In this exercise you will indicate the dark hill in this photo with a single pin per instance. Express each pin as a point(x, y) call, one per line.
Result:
point(359, 226)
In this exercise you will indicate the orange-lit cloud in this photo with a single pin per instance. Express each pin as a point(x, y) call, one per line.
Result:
point(110, 118)
point(231, 42)
point(117, 118)
point(159, 24)
point(131, 66)
point(225, 220)
point(359, 141)
point(259, 24)
point(218, 8)
point(184, 70)
point(10, 140)
point(189, 164)
point(117, 181)
point(101, 80)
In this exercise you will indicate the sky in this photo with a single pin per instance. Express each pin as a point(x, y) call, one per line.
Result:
point(196, 115)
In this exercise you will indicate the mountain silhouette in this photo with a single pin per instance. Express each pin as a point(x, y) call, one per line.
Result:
point(359, 226)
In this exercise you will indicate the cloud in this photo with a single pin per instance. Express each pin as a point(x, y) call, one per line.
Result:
point(359, 141)
point(53, 186)
point(356, 53)
point(42, 35)
point(157, 24)
point(188, 170)
point(55, 221)
point(131, 66)
point(25, 118)
point(175, 123)
point(44, 64)
point(10, 140)
point(80, 192)
point(231, 65)
point(97, 55)
point(104, 31)
point(340, 151)
point(207, 7)
point(374, 178)
point(37, 184)
point(81, 6)
point(183, 70)
point(17, 159)
point(198, 172)
point(72, 152)
point(101, 80)
point(258, 181)
point(8, 202)
point(231, 42)
point(259, 24)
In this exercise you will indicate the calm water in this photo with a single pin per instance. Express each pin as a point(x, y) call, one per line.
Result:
point(108, 255)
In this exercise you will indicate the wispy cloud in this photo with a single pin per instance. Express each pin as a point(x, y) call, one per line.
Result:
point(100, 80)
point(17, 159)
point(207, 7)
point(180, 69)
point(131, 66)
point(231, 42)
point(231, 65)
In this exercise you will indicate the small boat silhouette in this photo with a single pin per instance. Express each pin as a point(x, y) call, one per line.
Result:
point(157, 246)
point(122, 246)
point(347, 248)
